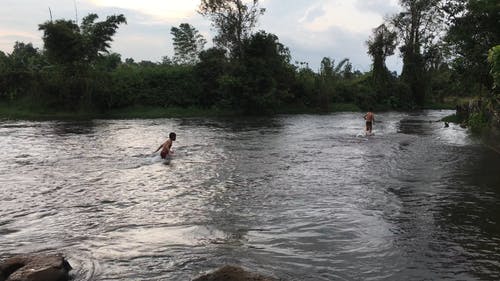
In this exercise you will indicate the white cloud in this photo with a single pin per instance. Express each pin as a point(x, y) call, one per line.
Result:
point(311, 28)
point(341, 14)
point(159, 9)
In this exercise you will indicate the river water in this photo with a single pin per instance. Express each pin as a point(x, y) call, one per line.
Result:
point(302, 197)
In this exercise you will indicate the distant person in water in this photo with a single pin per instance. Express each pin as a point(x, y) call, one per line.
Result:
point(370, 118)
point(166, 146)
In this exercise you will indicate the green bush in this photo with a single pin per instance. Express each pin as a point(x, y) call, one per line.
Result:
point(478, 122)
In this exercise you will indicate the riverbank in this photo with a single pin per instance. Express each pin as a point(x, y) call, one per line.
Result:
point(481, 117)
point(18, 112)
point(23, 112)
point(138, 112)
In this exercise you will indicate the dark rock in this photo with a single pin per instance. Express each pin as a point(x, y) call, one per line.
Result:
point(233, 273)
point(35, 268)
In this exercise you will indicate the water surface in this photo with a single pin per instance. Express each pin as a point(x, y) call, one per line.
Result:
point(301, 197)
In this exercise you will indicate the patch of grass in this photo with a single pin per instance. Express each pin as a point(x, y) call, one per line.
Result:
point(24, 112)
point(162, 112)
point(302, 109)
point(13, 111)
point(478, 122)
point(344, 107)
point(452, 119)
point(437, 105)
point(294, 109)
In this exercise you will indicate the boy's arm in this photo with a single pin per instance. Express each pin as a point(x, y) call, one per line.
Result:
point(159, 148)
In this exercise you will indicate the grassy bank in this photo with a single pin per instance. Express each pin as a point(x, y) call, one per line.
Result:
point(9, 111)
point(32, 112)
point(24, 112)
point(439, 106)
point(334, 107)
point(162, 112)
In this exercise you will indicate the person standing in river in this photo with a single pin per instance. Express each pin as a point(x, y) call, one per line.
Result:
point(166, 146)
point(370, 118)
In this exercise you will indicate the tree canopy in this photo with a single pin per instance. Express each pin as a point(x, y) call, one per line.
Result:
point(233, 21)
point(67, 43)
point(443, 44)
point(188, 43)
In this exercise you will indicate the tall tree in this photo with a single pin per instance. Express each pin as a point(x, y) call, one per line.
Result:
point(188, 43)
point(233, 20)
point(75, 50)
point(97, 36)
point(62, 41)
point(381, 45)
point(328, 79)
point(263, 78)
point(474, 29)
point(419, 26)
point(67, 43)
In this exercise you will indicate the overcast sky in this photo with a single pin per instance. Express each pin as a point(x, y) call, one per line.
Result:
point(311, 29)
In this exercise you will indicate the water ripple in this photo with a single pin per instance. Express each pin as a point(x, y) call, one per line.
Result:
point(296, 197)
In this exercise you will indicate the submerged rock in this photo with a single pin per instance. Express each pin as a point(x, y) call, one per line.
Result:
point(35, 268)
point(233, 273)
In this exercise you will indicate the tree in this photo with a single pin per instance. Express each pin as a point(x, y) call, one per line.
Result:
point(3, 77)
point(166, 60)
point(474, 30)
point(67, 43)
point(212, 67)
point(233, 22)
point(97, 36)
point(23, 52)
point(263, 78)
point(75, 51)
point(328, 78)
point(494, 98)
point(494, 60)
point(381, 45)
point(188, 44)
point(419, 26)
point(109, 62)
point(62, 42)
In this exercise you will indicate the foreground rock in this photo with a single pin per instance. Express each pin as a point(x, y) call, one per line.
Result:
point(35, 268)
point(233, 273)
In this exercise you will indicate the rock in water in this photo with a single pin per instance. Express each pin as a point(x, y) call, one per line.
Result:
point(35, 268)
point(232, 273)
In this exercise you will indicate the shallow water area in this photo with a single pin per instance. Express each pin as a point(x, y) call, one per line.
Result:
point(301, 197)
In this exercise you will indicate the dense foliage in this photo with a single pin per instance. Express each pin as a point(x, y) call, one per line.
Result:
point(443, 43)
point(188, 43)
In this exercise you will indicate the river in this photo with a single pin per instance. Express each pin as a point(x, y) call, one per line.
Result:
point(300, 197)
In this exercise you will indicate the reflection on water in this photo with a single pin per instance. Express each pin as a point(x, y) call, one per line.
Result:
point(296, 197)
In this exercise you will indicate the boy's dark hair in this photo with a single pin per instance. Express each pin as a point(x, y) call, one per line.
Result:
point(172, 135)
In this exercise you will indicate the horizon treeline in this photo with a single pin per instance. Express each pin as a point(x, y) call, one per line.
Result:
point(443, 44)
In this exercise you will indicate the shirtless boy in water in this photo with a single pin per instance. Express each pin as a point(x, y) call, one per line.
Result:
point(370, 118)
point(165, 147)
